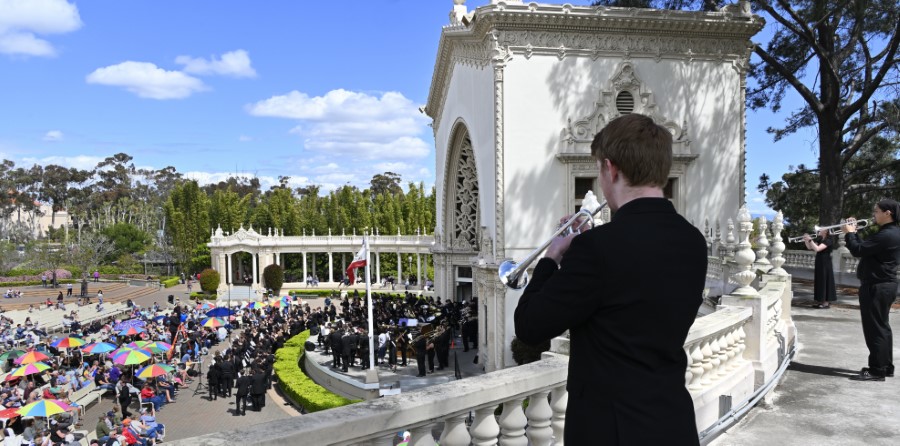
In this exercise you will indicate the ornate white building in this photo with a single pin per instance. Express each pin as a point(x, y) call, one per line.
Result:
point(518, 92)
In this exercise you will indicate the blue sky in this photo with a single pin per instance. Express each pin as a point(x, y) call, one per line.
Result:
point(324, 92)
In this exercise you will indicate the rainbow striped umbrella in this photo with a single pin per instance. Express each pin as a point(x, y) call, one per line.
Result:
point(44, 408)
point(30, 369)
point(31, 357)
point(158, 347)
point(137, 345)
point(255, 305)
point(98, 347)
point(67, 343)
point(213, 322)
point(281, 303)
point(130, 356)
point(11, 354)
point(131, 331)
point(206, 306)
point(154, 370)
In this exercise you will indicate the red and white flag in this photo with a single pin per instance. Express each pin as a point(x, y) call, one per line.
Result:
point(359, 261)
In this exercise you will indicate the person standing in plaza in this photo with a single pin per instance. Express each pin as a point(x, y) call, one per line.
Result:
point(628, 291)
point(243, 391)
point(823, 278)
point(879, 256)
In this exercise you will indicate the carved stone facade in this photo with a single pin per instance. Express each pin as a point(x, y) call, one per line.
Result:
point(526, 86)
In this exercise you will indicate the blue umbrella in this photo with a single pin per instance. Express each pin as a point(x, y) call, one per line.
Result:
point(136, 323)
point(219, 312)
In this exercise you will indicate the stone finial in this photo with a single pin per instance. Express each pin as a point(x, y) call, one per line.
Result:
point(729, 238)
point(314, 232)
point(777, 246)
point(304, 232)
point(343, 232)
point(354, 231)
point(329, 232)
point(458, 13)
point(270, 231)
point(718, 238)
point(762, 253)
point(744, 256)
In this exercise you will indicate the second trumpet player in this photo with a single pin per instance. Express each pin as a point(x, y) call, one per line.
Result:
point(823, 285)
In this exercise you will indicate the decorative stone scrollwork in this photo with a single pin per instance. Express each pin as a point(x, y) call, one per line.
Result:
point(579, 133)
point(465, 201)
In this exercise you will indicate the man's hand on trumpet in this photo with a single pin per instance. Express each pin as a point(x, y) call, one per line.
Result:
point(559, 245)
point(849, 226)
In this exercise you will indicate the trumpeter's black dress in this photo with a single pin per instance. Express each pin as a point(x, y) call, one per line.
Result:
point(823, 288)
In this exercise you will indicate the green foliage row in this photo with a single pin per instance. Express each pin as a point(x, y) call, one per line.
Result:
point(336, 293)
point(294, 382)
point(203, 296)
point(169, 283)
point(33, 282)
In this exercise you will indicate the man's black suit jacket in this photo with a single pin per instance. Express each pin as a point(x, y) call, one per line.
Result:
point(628, 292)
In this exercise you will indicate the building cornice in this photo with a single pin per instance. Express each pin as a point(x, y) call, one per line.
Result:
point(566, 30)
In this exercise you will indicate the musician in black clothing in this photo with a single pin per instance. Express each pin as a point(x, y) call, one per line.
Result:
point(442, 347)
point(244, 383)
point(402, 341)
point(421, 345)
point(346, 350)
point(877, 272)
point(336, 346)
point(258, 389)
point(227, 378)
point(364, 348)
point(353, 340)
point(212, 380)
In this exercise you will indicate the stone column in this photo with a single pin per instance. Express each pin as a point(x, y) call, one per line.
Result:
point(330, 268)
point(313, 263)
point(343, 263)
point(255, 275)
point(377, 267)
point(221, 267)
point(399, 267)
point(278, 258)
point(419, 282)
point(304, 266)
point(229, 266)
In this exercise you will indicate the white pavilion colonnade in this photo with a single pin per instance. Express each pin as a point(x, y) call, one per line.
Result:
point(270, 248)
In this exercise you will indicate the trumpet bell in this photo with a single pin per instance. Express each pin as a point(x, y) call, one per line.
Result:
point(506, 272)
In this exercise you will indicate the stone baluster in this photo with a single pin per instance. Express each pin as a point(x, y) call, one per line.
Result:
point(707, 234)
point(455, 432)
point(741, 337)
point(732, 340)
point(539, 414)
point(706, 363)
point(778, 246)
point(762, 253)
point(421, 436)
point(718, 239)
point(484, 429)
point(723, 354)
point(559, 400)
point(696, 366)
point(744, 257)
point(714, 358)
point(512, 424)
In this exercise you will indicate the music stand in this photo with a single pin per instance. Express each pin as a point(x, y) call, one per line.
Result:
point(200, 377)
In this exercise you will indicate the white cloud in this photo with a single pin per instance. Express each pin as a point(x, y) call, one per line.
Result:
point(21, 20)
point(83, 162)
point(244, 138)
point(53, 135)
point(147, 80)
point(234, 63)
point(343, 122)
point(265, 181)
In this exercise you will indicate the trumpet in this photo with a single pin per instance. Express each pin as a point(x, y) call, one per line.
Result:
point(832, 230)
point(514, 275)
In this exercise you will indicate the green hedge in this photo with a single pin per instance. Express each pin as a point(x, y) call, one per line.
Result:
point(294, 382)
point(203, 296)
point(169, 283)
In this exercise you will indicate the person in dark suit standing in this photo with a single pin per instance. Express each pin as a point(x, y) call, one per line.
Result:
point(420, 343)
point(353, 341)
point(364, 349)
point(627, 364)
point(823, 286)
point(227, 370)
point(346, 350)
point(212, 380)
point(258, 390)
point(337, 347)
point(877, 272)
point(244, 383)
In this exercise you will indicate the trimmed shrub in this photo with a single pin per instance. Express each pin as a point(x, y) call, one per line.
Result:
point(273, 275)
point(523, 353)
point(209, 280)
point(169, 283)
point(294, 382)
point(203, 296)
point(334, 293)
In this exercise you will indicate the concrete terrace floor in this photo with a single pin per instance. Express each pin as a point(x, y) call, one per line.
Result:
point(816, 403)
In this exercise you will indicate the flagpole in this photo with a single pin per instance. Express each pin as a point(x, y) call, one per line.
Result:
point(371, 372)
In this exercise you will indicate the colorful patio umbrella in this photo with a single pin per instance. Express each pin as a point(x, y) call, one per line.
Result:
point(137, 323)
point(44, 408)
point(205, 306)
point(31, 357)
point(220, 312)
point(281, 303)
point(158, 347)
point(154, 370)
point(255, 305)
point(129, 356)
point(67, 343)
point(131, 331)
point(12, 354)
point(213, 322)
point(30, 369)
point(137, 344)
point(97, 348)
point(8, 414)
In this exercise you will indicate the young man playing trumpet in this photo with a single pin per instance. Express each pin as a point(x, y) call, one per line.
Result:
point(877, 272)
point(628, 292)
